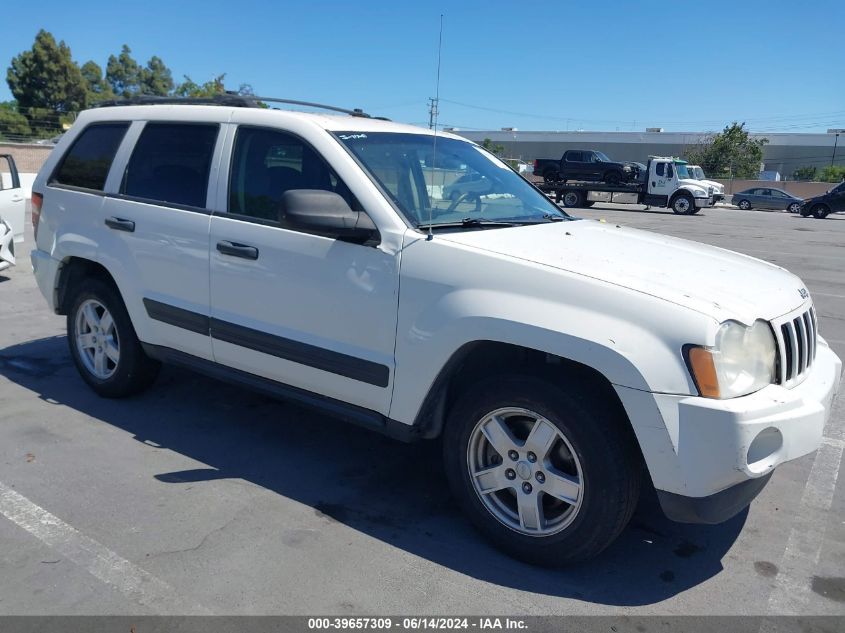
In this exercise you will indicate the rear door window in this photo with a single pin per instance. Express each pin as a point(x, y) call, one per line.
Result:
point(86, 164)
point(171, 163)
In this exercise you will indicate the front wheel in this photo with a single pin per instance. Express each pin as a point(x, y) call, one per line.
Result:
point(613, 178)
point(103, 343)
point(684, 204)
point(820, 211)
point(550, 476)
point(745, 205)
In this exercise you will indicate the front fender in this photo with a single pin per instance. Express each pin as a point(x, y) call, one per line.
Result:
point(452, 296)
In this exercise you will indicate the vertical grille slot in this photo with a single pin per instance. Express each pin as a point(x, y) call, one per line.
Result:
point(801, 340)
point(811, 338)
point(787, 349)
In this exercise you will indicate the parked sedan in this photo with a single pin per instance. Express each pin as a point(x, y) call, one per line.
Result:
point(825, 204)
point(767, 198)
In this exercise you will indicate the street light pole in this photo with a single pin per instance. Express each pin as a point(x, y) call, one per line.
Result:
point(835, 142)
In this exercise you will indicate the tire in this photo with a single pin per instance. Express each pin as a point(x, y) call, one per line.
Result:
point(96, 323)
point(613, 178)
point(551, 175)
point(795, 207)
point(590, 446)
point(745, 205)
point(820, 211)
point(683, 204)
point(572, 199)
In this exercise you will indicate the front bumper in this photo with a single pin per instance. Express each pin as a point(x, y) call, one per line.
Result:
point(703, 202)
point(718, 197)
point(723, 445)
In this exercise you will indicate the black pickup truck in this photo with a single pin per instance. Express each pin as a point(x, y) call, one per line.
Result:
point(586, 165)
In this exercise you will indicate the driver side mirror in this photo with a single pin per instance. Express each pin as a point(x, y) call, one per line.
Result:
point(327, 213)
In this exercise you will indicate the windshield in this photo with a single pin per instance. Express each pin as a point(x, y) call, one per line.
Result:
point(603, 157)
point(447, 183)
point(698, 173)
point(681, 168)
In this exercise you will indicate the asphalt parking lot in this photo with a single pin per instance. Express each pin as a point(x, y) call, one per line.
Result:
point(199, 497)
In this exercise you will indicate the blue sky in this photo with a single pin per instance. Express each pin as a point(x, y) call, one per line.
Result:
point(572, 65)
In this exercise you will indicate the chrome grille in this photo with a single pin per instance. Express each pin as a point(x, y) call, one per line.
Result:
point(796, 334)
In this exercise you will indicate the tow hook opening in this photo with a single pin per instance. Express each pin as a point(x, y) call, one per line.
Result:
point(764, 450)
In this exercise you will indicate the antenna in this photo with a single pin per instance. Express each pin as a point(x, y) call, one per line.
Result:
point(434, 113)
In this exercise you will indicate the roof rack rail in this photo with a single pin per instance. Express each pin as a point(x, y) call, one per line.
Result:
point(230, 99)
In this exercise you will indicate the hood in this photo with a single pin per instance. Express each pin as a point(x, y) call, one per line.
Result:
point(693, 184)
point(717, 186)
point(713, 281)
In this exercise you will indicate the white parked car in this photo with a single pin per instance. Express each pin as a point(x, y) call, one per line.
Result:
point(559, 359)
point(697, 173)
point(12, 210)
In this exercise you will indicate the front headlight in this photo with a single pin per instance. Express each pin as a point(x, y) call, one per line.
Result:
point(741, 362)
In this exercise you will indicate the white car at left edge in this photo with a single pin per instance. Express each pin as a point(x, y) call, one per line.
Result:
point(12, 210)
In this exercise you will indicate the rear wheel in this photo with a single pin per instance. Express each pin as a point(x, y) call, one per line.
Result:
point(551, 175)
point(795, 207)
point(572, 198)
point(103, 343)
point(745, 205)
point(684, 204)
point(548, 475)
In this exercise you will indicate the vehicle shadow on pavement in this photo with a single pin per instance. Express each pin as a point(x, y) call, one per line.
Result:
point(391, 491)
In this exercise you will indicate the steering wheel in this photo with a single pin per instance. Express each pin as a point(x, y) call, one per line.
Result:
point(466, 195)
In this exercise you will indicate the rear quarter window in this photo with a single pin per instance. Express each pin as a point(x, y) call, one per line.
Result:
point(86, 164)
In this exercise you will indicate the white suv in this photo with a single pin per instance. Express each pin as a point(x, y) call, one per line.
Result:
point(563, 362)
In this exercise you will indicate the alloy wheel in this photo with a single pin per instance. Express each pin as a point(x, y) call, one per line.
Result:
point(525, 471)
point(97, 340)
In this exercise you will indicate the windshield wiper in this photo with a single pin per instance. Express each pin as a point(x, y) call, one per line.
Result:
point(472, 223)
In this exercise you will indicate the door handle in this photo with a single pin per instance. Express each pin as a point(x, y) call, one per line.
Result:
point(237, 250)
point(119, 224)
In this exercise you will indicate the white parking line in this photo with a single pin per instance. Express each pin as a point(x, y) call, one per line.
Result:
point(102, 563)
point(804, 545)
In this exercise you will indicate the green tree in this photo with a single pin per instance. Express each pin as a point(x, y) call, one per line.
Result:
point(804, 173)
point(13, 125)
point(189, 88)
point(124, 74)
point(97, 87)
point(493, 148)
point(47, 84)
point(832, 173)
point(731, 152)
point(156, 78)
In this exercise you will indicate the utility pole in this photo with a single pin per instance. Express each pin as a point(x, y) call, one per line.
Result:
point(432, 111)
point(835, 143)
